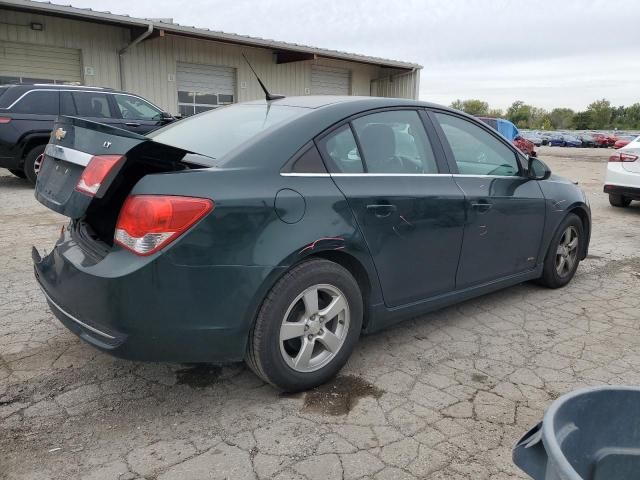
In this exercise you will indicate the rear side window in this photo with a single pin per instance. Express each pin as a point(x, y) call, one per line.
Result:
point(92, 104)
point(341, 151)
point(38, 102)
point(395, 142)
point(475, 150)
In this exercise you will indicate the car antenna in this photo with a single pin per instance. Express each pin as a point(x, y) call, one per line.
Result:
point(268, 96)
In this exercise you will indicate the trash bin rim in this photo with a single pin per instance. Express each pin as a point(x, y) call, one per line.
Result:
point(548, 435)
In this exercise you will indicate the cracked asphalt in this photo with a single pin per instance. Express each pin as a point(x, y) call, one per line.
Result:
point(443, 396)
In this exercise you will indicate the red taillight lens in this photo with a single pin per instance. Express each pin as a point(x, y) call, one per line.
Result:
point(148, 223)
point(623, 157)
point(5, 119)
point(95, 173)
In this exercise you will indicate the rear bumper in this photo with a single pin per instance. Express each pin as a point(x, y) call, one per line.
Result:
point(629, 192)
point(152, 309)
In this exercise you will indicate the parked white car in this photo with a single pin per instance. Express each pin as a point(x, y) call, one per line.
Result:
point(623, 175)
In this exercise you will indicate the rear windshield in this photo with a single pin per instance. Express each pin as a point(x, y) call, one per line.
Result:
point(216, 132)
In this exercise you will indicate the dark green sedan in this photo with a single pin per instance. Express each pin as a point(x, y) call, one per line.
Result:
point(278, 232)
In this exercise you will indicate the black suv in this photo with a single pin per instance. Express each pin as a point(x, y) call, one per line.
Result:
point(27, 113)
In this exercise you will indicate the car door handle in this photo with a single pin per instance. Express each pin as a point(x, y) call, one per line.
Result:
point(132, 124)
point(481, 205)
point(381, 210)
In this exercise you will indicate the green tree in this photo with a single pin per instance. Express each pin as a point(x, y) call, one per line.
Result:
point(495, 112)
point(582, 120)
point(471, 106)
point(519, 113)
point(600, 112)
point(561, 118)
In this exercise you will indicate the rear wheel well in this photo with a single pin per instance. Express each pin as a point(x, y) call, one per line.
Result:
point(31, 143)
point(584, 218)
point(357, 270)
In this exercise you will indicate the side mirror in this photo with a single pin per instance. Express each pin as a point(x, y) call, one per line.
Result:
point(166, 116)
point(537, 169)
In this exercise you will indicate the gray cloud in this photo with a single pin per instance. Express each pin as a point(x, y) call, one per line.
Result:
point(550, 53)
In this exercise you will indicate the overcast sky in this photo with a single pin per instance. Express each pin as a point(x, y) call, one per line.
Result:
point(547, 53)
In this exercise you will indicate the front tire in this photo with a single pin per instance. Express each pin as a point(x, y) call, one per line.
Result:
point(563, 256)
point(619, 201)
point(32, 163)
point(307, 326)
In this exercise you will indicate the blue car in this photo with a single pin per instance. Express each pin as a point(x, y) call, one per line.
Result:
point(556, 141)
point(571, 141)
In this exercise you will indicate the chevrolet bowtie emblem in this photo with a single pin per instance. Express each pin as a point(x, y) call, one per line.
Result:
point(60, 134)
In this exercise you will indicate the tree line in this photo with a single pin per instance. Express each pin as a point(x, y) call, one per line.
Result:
point(599, 115)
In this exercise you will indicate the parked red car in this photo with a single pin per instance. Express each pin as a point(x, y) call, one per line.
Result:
point(601, 140)
point(511, 132)
point(624, 141)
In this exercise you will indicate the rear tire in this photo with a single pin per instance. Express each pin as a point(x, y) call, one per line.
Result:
point(619, 201)
point(563, 256)
point(327, 334)
point(32, 162)
point(18, 173)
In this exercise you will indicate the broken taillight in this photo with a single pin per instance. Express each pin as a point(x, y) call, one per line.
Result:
point(96, 172)
point(148, 223)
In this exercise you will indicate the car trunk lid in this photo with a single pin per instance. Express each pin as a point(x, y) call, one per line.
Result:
point(75, 143)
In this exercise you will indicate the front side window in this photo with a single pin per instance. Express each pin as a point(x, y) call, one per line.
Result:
point(475, 150)
point(341, 151)
point(38, 102)
point(92, 104)
point(395, 142)
point(136, 109)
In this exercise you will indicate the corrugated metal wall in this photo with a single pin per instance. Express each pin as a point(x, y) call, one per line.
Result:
point(394, 84)
point(150, 67)
point(98, 43)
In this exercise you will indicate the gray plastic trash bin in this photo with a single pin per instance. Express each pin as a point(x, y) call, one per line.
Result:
point(589, 434)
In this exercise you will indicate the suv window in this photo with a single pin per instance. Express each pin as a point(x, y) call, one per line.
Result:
point(92, 104)
point(341, 149)
point(43, 102)
point(395, 142)
point(475, 150)
point(67, 107)
point(136, 108)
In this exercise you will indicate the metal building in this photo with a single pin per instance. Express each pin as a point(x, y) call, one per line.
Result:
point(181, 69)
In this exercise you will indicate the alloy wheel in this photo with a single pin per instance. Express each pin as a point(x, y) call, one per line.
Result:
point(37, 164)
point(314, 328)
point(567, 252)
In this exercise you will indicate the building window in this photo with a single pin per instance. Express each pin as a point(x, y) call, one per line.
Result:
point(190, 103)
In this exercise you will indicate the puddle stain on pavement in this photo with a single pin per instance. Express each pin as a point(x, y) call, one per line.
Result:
point(198, 376)
point(339, 396)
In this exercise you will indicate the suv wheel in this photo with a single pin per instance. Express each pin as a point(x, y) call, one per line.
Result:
point(307, 326)
point(33, 162)
point(619, 201)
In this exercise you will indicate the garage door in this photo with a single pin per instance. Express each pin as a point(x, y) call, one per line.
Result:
point(26, 62)
point(330, 80)
point(204, 87)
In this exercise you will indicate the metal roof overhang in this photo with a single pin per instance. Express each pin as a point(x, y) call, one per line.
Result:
point(285, 52)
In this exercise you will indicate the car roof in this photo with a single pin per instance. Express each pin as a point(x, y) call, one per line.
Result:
point(319, 101)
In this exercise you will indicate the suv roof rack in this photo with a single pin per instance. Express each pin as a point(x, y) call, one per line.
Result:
point(58, 85)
